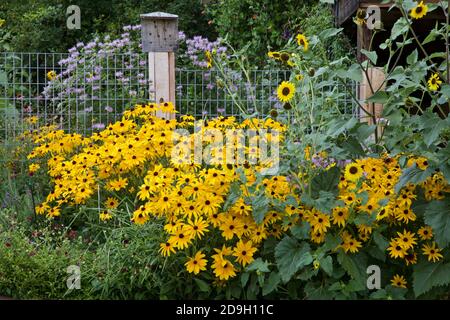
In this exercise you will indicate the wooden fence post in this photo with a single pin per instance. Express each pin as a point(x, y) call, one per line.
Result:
point(160, 40)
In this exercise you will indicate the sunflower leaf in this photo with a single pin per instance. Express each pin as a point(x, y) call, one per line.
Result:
point(437, 216)
point(428, 275)
point(291, 255)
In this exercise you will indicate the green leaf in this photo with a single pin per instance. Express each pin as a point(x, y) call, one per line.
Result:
point(379, 97)
point(328, 33)
point(244, 278)
point(3, 78)
point(437, 216)
point(380, 241)
point(326, 264)
point(291, 256)
point(379, 294)
point(427, 275)
point(400, 27)
point(412, 58)
point(412, 175)
point(372, 55)
point(354, 265)
point(301, 232)
point(202, 285)
point(260, 206)
point(326, 181)
point(271, 284)
point(258, 265)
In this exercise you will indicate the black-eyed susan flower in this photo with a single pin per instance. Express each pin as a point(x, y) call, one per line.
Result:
point(340, 215)
point(432, 252)
point(434, 82)
point(286, 91)
point(244, 252)
point(425, 233)
point(419, 11)
point(396, 250)
point(406, 239)
point(105, 216)
point(51, 75)
point(196, 263)
point(166, 248)
point(399, 281)
point(111, 203)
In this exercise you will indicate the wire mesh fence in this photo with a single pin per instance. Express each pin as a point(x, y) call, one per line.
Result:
point(84, 96)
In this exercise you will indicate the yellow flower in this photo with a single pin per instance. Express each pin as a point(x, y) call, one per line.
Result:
point(434, 82)
point(302, 41)
point(432, 252)
point(396, 250)
point(111, 203)
point(105, 216)
point(425, 233)
point(419, 11)
point(196, 264)
point(360, 17)
point(274, 55)
point(244, 252)
point(398, 281)
point(286, 91)
point(223, 269)
point(353, 172)
point(209, 60)
point(340, 215)
point(51, 75)
point(33, 168)
point(166, 248)
point(406, 239)
point(32, 120)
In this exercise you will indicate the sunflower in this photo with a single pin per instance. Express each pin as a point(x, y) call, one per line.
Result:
point(196, 263)
point(399, 281)
point(432, 252)
point(425, 233)
point(360, 17)
point(353, 172)
point(286, 91)
point(419, 11)
point(302, 41)
point(434, 82)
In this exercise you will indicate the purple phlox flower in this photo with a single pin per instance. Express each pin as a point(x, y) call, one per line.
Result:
point(98, 126)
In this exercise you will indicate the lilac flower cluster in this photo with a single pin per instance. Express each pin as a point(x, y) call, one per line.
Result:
point(97, 70)
point(318, 161)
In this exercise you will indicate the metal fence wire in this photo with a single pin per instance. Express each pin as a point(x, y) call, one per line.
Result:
point(87, 97)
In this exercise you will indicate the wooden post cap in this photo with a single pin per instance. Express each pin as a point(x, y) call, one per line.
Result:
point(159, 32)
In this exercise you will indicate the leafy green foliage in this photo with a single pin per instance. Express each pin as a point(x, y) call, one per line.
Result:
point(429, 275)
point(437, 215)
point(291, 255)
